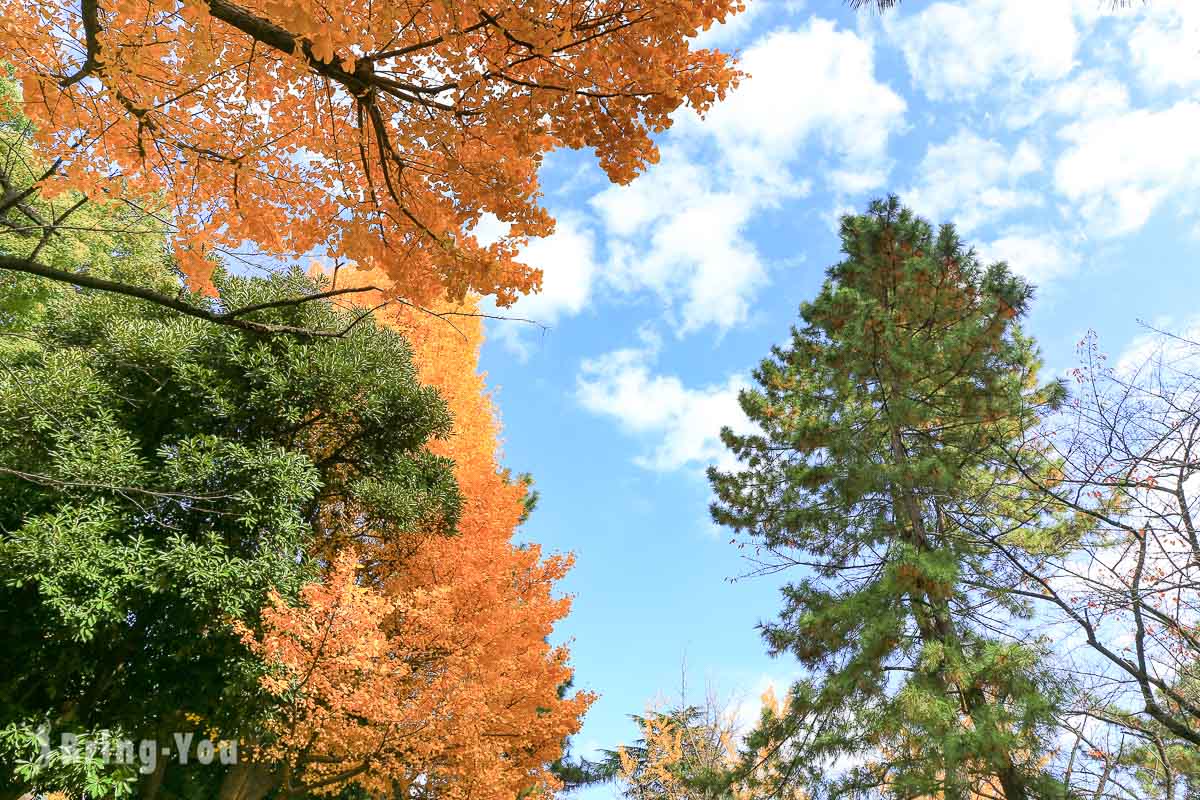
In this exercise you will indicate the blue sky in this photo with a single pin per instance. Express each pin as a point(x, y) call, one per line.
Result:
point(1059, 136)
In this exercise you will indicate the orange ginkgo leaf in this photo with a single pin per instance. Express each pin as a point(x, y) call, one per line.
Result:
point(429, 662)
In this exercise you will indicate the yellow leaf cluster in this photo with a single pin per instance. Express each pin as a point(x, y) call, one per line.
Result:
point(428, 662)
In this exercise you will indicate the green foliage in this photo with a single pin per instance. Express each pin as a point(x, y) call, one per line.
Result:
point(112, 239)
point(81, 772)
point(532, 495)
point(883, 463)
point(160, 474)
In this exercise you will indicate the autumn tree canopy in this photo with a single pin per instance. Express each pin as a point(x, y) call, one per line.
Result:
point(277, 540)
point(373, 133)
point(422, 668)
point(300, 544)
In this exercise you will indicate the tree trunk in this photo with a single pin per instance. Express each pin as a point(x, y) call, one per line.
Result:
point(246, 780)
point(150, 784)
point(939, 626)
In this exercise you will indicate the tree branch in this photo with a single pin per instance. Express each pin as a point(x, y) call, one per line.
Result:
point(232, 318)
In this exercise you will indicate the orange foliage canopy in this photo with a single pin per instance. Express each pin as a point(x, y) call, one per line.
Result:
point(373, 132)
point(426, 670)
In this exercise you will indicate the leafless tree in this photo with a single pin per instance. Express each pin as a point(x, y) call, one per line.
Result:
point(1114, 572)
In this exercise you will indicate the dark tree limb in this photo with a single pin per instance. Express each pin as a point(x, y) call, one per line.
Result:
point(231, 318)
point(89, 12)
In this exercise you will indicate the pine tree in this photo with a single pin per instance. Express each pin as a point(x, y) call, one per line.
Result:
point(880, 468)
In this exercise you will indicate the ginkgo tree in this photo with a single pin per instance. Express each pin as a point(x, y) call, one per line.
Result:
point(421, 668)
point(372, 133)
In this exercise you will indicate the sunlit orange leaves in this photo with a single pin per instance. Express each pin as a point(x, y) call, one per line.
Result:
point(429, 663)
point(377, 133)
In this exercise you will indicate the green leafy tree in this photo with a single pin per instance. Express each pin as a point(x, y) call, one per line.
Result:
point(111, 240)
point(159, 475)
point(879, 468)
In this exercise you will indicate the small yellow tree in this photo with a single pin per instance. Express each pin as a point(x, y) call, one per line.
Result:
point(695, 753)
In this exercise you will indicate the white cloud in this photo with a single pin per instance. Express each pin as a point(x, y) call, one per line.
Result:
point(971, 180)
point(1039, 257)
point(852, 181)
point(1165, 45)
point(736, 27)
point(680, 229)
point(816, 82)
point(1089, 94)
point(686, 422)
point(568, 264)
point(627, 210)
point(1119, 169)
point(959, 50)
point(489, 229)
point(1142, 349)
point(675, 232)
